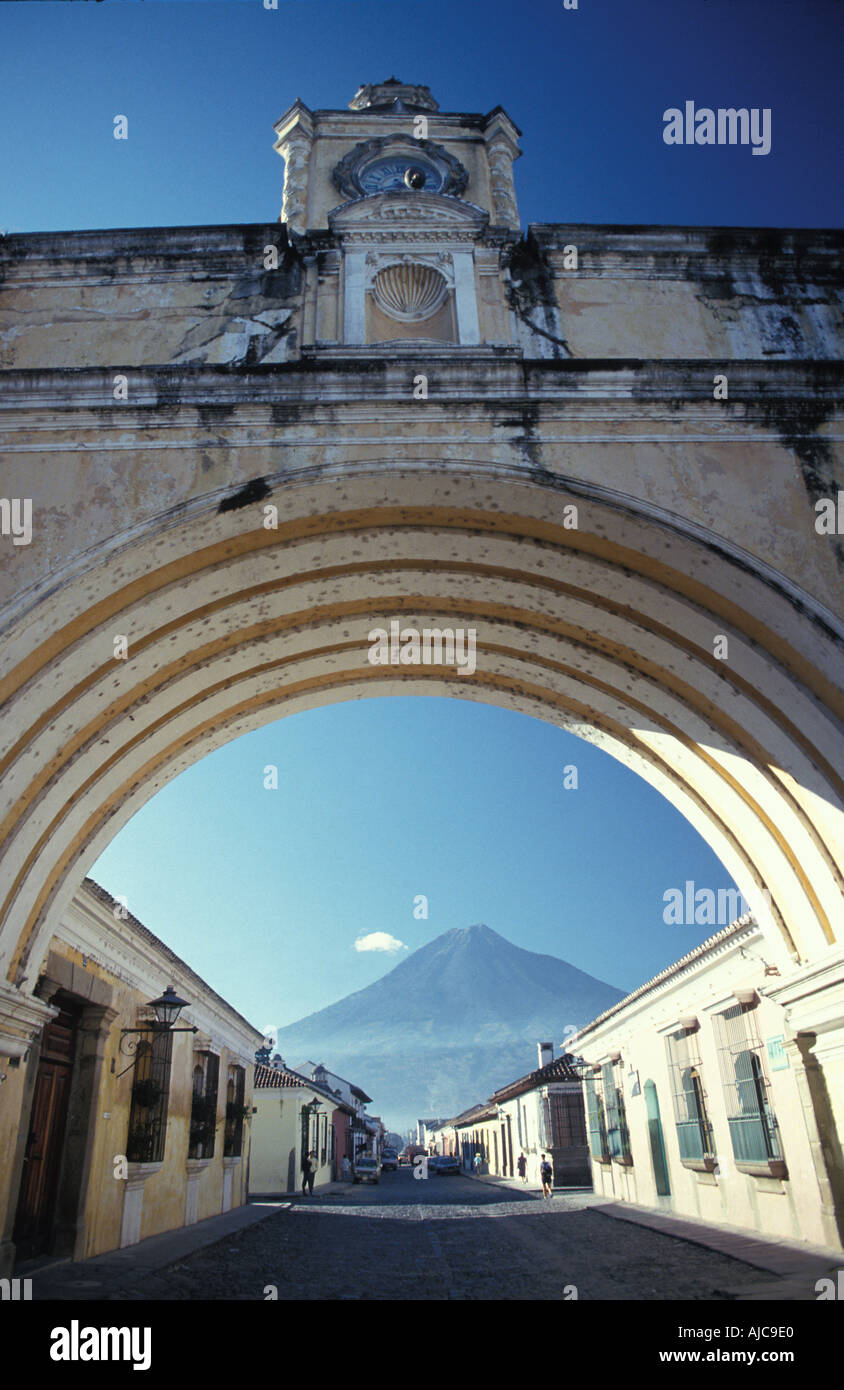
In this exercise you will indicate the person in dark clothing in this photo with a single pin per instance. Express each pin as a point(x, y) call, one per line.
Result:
point(308, 1172)
point(546, 1172)
point(522, 1167)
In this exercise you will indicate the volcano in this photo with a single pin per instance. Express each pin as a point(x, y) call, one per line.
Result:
point(451, 1023)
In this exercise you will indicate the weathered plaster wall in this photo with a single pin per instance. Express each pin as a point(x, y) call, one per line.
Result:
point(682, 292)
point(193, 296)
point(95, 468)
point(148, 297)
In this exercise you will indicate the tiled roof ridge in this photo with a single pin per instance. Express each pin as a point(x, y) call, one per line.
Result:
point(746, 920)
point(484, 1109)
point(279, 1078)
point(558, 1070)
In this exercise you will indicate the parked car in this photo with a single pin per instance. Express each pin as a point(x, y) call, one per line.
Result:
point(366, 1170)
point(389, 1160)
point(444, 1163)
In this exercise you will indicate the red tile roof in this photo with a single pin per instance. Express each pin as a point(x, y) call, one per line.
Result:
point(281, 1078)
point(560, 1069)
point(475, 1115)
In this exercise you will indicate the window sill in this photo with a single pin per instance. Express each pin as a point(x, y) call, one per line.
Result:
point(196, 1165)
point(602, 1159)
point(139, 1172)
point(700, 1165)
point(625, 1160)
point(774, 1168)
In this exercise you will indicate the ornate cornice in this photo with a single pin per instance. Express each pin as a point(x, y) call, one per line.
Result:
point(22, 1018)
point(409, 218)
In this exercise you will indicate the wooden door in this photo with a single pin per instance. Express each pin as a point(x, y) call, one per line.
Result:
point(45, 1144)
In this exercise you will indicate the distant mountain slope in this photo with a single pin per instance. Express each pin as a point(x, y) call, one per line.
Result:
point(451, 1022)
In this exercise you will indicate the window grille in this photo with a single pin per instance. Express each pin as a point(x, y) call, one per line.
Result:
point(150, 1095)
point(596, 1119)
point(568, 1127)
point(754, 1132)
point(235, 1094)
point(624, 1132)
point(694, 1131)
point(618, 1138)
point(323, 1148)
point(203, 1115)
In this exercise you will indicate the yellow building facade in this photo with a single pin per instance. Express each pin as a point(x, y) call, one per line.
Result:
point(293, 1116)
point(113, 1136)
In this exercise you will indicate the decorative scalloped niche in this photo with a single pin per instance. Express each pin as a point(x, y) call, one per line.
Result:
point(410, 299)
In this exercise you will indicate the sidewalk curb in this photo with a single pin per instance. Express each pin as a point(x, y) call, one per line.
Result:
point(115, 1270)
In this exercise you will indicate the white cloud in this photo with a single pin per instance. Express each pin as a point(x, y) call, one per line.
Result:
point(379, 941)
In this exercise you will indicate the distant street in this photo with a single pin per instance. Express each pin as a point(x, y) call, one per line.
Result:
point(449, 1238)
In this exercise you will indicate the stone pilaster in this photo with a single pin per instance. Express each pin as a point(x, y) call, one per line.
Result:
point(502, 150)
point(821, 1131)
point(295, 138)
point(82, 1129)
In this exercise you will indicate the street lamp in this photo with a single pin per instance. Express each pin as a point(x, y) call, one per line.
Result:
point(167, 1008)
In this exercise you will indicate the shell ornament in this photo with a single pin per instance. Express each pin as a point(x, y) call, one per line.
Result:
point(409, 291)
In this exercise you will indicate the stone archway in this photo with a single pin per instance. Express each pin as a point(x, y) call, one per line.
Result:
point(608, 627)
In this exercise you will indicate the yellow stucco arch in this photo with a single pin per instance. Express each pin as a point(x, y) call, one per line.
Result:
point(608, 628)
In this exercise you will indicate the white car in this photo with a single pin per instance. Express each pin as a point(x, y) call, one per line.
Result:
point(366, 1170)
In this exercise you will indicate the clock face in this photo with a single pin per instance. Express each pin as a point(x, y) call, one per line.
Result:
point(400, 172)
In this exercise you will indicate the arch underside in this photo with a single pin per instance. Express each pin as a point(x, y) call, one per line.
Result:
point(608, 629)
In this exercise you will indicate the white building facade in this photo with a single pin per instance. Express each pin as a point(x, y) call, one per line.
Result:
point(703, 1098)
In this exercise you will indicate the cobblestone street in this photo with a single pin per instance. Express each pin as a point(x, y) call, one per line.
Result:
point(445, 1238)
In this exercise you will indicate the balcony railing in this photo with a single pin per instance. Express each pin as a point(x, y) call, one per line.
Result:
point(692, 1139)
point(754, 1139)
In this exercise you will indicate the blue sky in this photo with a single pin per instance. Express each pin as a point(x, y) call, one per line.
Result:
point(202, 84)
point(381, 800)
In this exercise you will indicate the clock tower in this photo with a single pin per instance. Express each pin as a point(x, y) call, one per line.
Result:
point(402, 214)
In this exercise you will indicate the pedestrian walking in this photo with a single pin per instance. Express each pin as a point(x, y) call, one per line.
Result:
point(476, 1164)
point(522, 1167)
point(546, 1173)
point(308, 1172)
point(347, 1168)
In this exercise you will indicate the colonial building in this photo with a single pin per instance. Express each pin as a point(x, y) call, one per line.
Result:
point(425, 1133)
point(364, 1130)
point(115, 1127)
point(703, 1099)
point(474, 1134)
point(541, 1112)
point(294, 1116)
